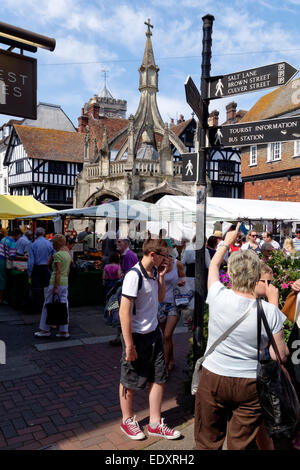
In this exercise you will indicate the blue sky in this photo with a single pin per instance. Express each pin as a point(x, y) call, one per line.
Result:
point(93, 35)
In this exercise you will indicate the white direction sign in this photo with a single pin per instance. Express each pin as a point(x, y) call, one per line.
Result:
point(268, 76)
point(259, 132)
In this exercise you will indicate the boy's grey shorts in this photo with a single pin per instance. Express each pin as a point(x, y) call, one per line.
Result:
point(150, 365)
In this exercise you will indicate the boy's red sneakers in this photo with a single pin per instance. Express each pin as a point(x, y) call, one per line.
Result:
point(162, 430)
point(132, 429)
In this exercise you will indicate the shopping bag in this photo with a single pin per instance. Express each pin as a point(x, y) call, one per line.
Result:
point(57, 312)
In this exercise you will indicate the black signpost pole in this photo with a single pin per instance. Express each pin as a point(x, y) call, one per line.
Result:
point(200, 278)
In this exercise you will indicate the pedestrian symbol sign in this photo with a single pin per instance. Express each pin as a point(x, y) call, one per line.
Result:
point(257, 79)
point(189, 166)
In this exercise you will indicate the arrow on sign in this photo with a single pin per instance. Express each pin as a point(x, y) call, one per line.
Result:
point(259, 132)
point(246, 81)
point(193, 97)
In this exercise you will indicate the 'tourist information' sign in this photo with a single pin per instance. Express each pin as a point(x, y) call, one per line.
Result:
point(251, 80)
point(17, 85)
point(259, 132)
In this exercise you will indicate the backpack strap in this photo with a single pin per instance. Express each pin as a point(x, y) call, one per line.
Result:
point(140, 276)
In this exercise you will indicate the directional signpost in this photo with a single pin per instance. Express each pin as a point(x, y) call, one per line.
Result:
point(246, 81)
point(259, 132)
point(236, 135)
point(193, 97)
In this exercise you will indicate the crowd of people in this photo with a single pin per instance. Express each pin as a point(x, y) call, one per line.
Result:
point(226, 401)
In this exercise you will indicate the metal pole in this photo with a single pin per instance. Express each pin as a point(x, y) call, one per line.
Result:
point(200, 278)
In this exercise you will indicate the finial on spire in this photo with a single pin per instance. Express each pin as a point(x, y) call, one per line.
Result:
point(148, 33)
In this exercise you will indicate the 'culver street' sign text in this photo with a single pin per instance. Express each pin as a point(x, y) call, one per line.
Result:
point(251, 80)
point(259, 132)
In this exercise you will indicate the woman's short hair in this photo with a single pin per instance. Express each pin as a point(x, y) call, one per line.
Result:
point(244, 270)
point(59, 240)
point(265, 269)
point(267, 246)
point(154, 244)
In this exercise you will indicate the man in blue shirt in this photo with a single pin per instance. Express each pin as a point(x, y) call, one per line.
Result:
point(39, 258)
point(296, 240)
point(23, 244)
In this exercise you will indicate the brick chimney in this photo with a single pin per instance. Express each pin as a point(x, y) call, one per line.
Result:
point(83, 121)
point(213, 119)
point(93, 108)
point(231, 112)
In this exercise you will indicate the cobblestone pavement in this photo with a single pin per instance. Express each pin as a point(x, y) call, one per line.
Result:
point(68, 399)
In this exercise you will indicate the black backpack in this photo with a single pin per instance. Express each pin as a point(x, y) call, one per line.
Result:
point(111, 310)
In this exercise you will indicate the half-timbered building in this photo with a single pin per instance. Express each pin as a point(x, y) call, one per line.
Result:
point(43, 157)
point(44, 163)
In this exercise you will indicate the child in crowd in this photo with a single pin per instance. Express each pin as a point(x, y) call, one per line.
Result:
point(111, 272)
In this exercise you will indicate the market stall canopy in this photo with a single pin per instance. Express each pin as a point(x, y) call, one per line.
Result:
point(128, 209)
point(226, 209)
point(18, 207)
point(178, 213)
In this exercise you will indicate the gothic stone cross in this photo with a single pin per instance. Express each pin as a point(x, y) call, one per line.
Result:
point(149, 26)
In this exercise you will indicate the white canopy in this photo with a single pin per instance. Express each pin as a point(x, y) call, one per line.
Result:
point(180, 213)
point(129, 209)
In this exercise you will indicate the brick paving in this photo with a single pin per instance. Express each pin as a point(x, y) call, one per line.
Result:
point(73, 403)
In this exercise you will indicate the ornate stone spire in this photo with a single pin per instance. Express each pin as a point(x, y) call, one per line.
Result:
point(148, 70)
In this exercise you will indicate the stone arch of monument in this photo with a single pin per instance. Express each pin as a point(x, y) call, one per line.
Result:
point(164, 189)
point(100, 196)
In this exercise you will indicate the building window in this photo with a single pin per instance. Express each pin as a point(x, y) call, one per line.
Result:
point(297, 148)
point(19, 167)
point(57, 167)
point(5, 187)
point(253, 155)
point(274, 152)
point(56, 195)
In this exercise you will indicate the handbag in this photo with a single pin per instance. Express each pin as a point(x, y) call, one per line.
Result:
point(57, 312)
point(277, 396)
point(197, 370)
point(182, 297)
point(293, 360)
point(289, 308)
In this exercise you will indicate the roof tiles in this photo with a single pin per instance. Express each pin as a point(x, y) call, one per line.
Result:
point(50, 144)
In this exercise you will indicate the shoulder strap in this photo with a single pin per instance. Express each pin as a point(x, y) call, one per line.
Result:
point(140, 277)
point(224, 335)
point(262, 317)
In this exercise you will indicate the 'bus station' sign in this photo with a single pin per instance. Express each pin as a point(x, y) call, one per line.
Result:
point(18, 85)
point(257, 79)
point(259, 132)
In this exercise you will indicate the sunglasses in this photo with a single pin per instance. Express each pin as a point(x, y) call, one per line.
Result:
point(253, 235)
point(266, 280)
point(160, 254)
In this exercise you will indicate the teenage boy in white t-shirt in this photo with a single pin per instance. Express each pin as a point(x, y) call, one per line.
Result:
point(142, 341)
